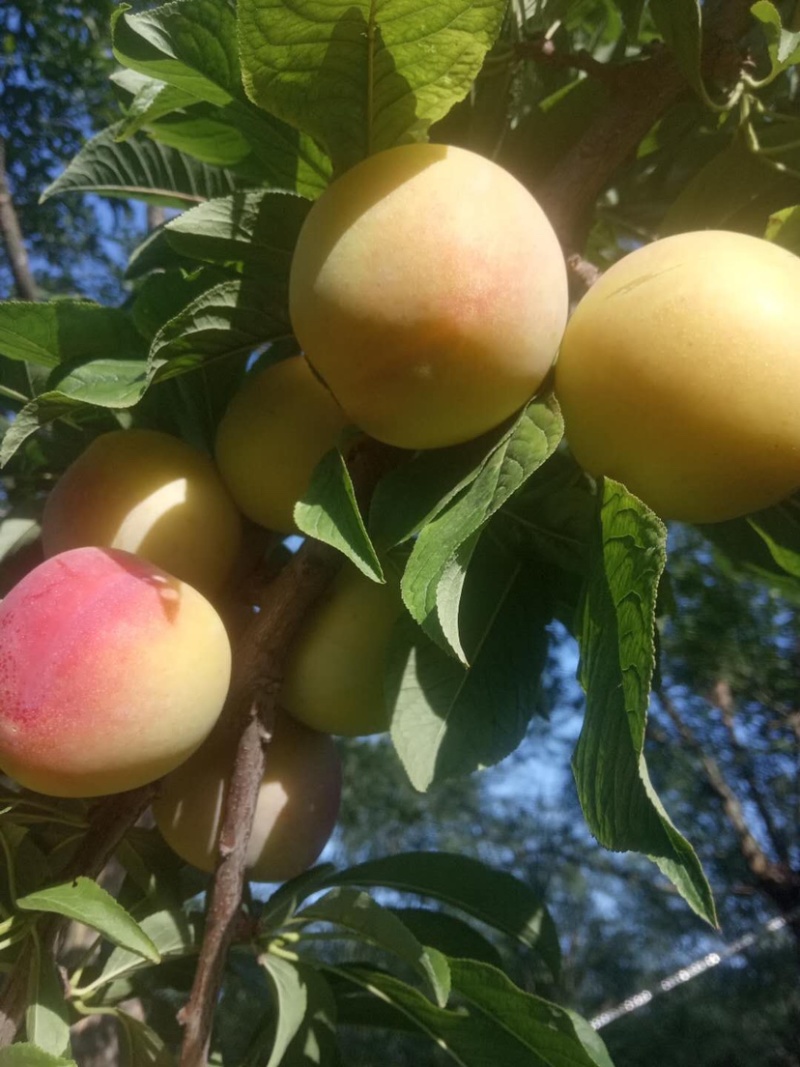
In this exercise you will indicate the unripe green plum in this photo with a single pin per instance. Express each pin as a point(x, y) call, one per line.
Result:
point(298, 801)
point(679, 375)
point(112, 673)
point(429, 291)
point(152, 494)
point(275, 431)
point(334, 673)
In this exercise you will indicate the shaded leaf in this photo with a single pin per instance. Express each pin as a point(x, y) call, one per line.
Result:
point(47, 334)
point(617, 661)
point(141, 1045)
point(782, 44)
point(46, 1016)
point(26, 1054)
point(449, 934)
point(492, 896)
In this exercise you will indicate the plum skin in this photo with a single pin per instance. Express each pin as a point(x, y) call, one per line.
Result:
point(334, 676)
point(679, 375)
point(112, 673)
point(152, 494)
point(296, 809)
point(429, 291)
point(276, 429)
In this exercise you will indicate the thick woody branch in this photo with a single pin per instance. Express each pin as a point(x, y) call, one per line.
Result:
point(11, 233)
point(254, 698)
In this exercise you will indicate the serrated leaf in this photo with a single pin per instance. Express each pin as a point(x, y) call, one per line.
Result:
point(329, 512)
point(47, 334)
point(289, 160)
point(378, 926)
point(492, 896)
point(190, 44)
point(141, 169)
point(255, 226)
point(86, 902)
point(416, 491)
point(165, 294)
point(617, 660)
point(230, 319)
point(782, 44)
point(358, 76)
point(449, 719)
point(141, 1045)
point(46, 1016)
point(522, 450)
point(26, 1054)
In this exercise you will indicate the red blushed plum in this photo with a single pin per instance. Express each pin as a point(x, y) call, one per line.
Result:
point(112, 673)
point(298, 802)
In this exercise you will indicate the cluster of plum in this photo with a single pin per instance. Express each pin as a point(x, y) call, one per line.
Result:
point(429, 295)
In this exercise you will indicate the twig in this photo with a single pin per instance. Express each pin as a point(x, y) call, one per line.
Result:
point(254, 696)
point(543, 51)
point(109, 822)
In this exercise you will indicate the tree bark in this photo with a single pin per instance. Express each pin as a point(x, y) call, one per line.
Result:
point(11, 233)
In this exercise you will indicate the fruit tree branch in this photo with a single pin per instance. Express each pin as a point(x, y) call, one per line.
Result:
point(11, 233)
point(254, 696)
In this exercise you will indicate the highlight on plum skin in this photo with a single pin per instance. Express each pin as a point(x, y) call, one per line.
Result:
point(296, 811)
point(112, 673)
point(150, 493)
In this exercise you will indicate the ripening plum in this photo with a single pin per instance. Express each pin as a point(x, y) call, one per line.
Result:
point(429, 291)
point(152, 494)
point(679, 375)
point(112, 673)
point(275, 431)
point(334, 673)
point(297, 807)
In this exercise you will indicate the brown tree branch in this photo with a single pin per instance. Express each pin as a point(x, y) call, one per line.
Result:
point(11, 233)
point(254, 696)
point(110, 820)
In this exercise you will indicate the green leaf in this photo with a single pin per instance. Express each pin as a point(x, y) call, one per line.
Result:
point(19, 528)
point(415, 492)
point(151, 100)
point(492, 896)
point(680, 24)
point(50, 333)
point(255, 227)
point(168, 930)
point(202, 137)
point(26, 1054)
point(140, 169)
point(544, 1029)
point(449, 719)
point(165, 294)
point(289, 160)
point(783, 45)
point(378, 926)
point(359, 76)
point(141, 1045)
point(230, 319)
point(107, 383)
point(315, 1041)
point(329, 512)
point(46, 1016)
point(190, 44)
point(448, 934)
point(291, 1003)
point(784, 229)
point(86, 902)
point(779, 529)
point(498, 1025)
point(287, 898)
point(522, 450)
point(617, 661)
